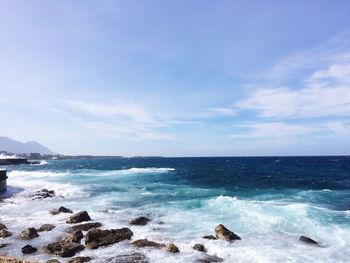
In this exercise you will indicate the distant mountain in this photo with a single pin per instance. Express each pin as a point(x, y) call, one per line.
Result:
point(13, 146)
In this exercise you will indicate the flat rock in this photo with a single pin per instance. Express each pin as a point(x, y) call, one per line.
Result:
point(53, 261)
point(308, 240)
point(79, 217)
point(209, 259)
point(147, 243)
point(63, 249)
point(28, 249)
point(8, 259)
point(74, 237)
point(211, 237)
point(28, 234)
point(79, 260)
point(127, 258)
point(96, 237)
point(223, 233)
point(4, 245)
point(199, 247)
point(46, 227)
point(172, 248)
point(85, 226)
point(61, 209)
point(5, 233)
point(140, 221)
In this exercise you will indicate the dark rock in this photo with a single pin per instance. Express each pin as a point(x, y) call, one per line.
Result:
point(79, 217)
point(96, 237)
point(128, 258)
point(63, 249)
point(4, 245)
point(199, 247)
point(79, 260)
point(140, 221)
point(28, 233)
point(172, 248)
point(43, 193)
point(61, 209)
point(2, 226)
point(147, 243)
point(209, 259)
point(5, 233)
point(209, 237)
point(53, 261)
point(74, 237)
point(86, 226)
point(308, 240)
point(28, 249)
point(46, 227)
point(223, 233)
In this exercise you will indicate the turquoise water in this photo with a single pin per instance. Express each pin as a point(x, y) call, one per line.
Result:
point(268, 201)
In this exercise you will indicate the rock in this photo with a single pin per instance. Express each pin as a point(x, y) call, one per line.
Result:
point(128, 258)
point(74, 237)
point(140, 221)
point(5, 233)
point(8, 259)
point(28, 249)
point(97, 237)
point(209, 237)
point(61, 209)
point(43, 193)
point(199, 247)
point(2, 226)
point(79, 260)
point(63, 249)
point(209, 259)
point(28, 233)
point(308, 240)
point(172, 248)
point(223, 233)
point(53, 261)
point(86, 226)
point(4, 245)
point(147, 243)
point(79, 217)
point(46, 227)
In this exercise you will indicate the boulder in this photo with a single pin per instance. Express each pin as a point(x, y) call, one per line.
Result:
point(127, 258)
point(96, 237)
point(5, 233)
point(4, 245)
point(79, 217)
point(209, 259)
point(140, 221)
point(46, 227)
point(2, 226)
point(53, 261)
point(223, 233)
point(79, 260)
point(172, 248)
point(308, 240)
point(199, 247)
point(85, 226)
point(211, 237)
point(147, 243)
point(61, 209)
point(28, 249)
point(28, 233)
point(63, 249)
point(74, 237)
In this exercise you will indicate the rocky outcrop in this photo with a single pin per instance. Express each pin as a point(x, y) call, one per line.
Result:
point(5, 233)
point(223, 233)
point(46, 227)
point(210, 237)
point(308, 240)
point(199, 247)
point(79, 217)
point(63, 249)
point(85, 226)
point(140, 221)
point(2, 245)
point(8, 259)
point(127, 258)
point(172, 248)
point(2, 226)
point(96, 237)
point(28, 249)
point(74, 237)
point(79, 260)
point(147, 243)
point(61, 209)
point(43, 193)
point(28, 234)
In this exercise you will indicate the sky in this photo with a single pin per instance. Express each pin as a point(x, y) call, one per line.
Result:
point(177, 78)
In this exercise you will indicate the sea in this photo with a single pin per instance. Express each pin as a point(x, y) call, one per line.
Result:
point(268, 201)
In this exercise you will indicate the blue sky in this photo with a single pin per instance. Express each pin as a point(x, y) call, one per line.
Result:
point(177, 78)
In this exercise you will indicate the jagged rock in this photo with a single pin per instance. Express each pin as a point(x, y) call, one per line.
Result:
point(223, 233)
point(79, 217)
point(61, 209)
point(4, 245)
point(74, 237)
point(28, 233)
point(128, 258)
point(46, 227)
point(53, 261)
point(209, 237)
point(43, 193)
point(172, 248)
point(308, 240)
point(140, 221)
point(5, 233)
point(8, 259)
point(86, 226)
point(2, 226)
point(79, 260)
point(63, 249)
point(209, 259)
point(199, 247)
point(95, 237)
point(147, 243)
point(28, 249)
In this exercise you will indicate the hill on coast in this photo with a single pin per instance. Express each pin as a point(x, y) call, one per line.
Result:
point(13, 146)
